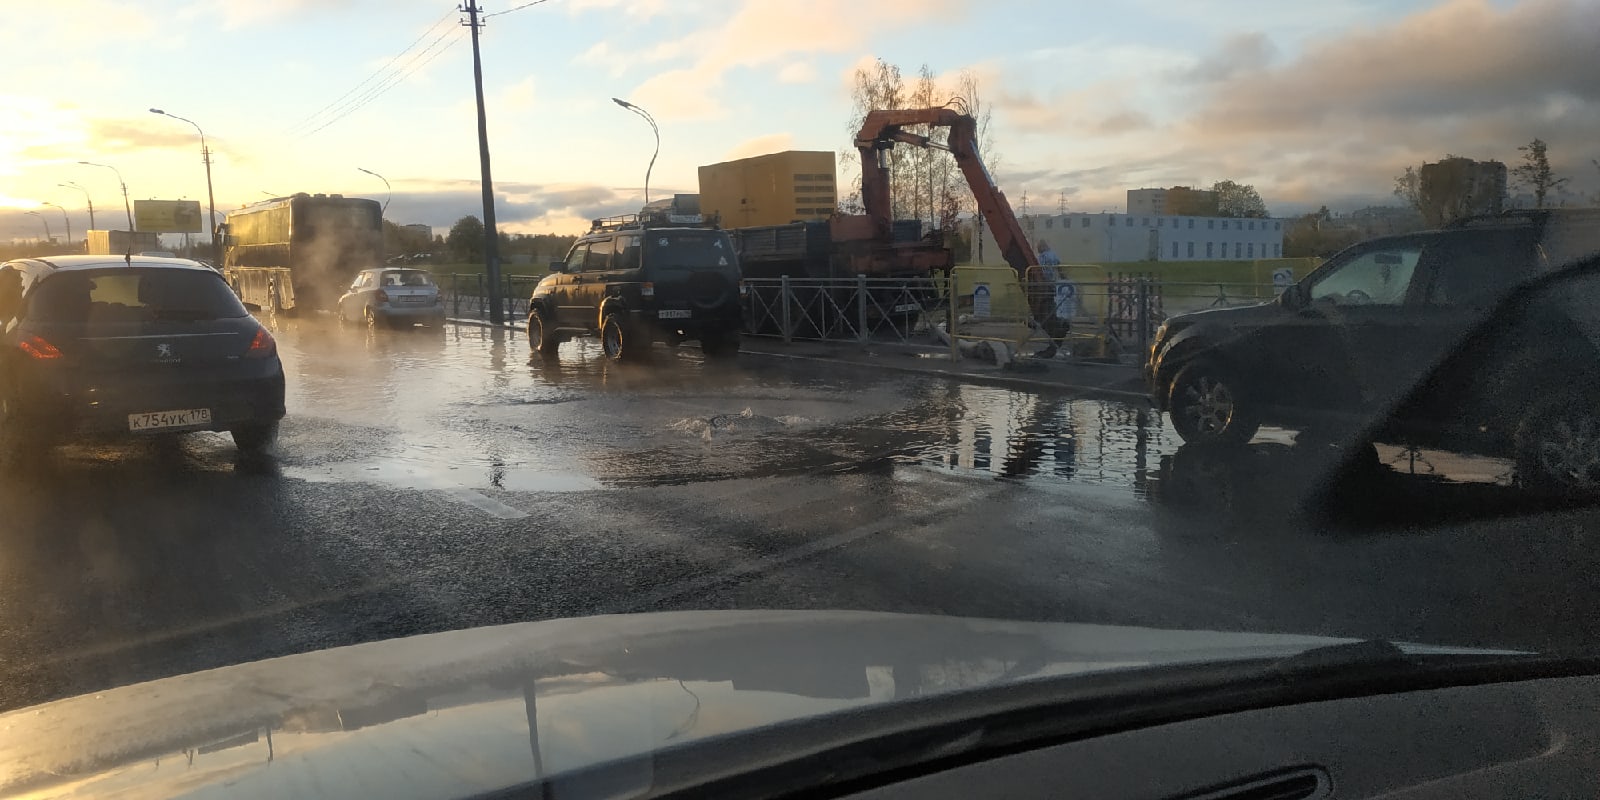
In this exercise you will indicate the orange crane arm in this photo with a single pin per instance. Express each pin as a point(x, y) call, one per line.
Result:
point(882, 129)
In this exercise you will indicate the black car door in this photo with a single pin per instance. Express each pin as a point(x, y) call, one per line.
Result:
point(1374, 334)
point(563, 289)
point(589, 287)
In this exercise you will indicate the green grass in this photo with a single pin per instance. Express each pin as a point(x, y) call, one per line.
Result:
point(1201, 272)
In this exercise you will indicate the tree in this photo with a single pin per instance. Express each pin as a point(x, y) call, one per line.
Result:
point(466, 239)
point(1238, 200)
point(1449, 189)
point(1534, 172)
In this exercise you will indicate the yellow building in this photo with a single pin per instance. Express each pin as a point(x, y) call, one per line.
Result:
point(773, 189)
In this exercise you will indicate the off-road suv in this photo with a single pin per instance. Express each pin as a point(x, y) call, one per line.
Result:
point(633, 281)
point(1387, 341)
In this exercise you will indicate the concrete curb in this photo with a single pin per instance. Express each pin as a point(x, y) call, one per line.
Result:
point(1003, 381)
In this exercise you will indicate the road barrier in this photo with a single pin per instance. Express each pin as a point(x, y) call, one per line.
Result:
point(1111, 315)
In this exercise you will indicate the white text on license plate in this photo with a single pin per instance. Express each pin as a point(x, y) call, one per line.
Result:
point(904, 307)
point(674, 313)
point(152, 420)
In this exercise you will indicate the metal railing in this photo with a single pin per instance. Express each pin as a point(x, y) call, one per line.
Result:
point(859, 309)
point(467, 294)
point(1112, 317)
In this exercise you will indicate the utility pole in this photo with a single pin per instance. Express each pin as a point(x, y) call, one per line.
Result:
point(491, 237)
point(86, 198)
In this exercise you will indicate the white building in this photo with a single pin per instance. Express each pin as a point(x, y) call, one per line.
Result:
point(1106, 238)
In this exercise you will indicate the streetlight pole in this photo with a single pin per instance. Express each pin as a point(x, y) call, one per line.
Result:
point(211, 200)
point(386, 188)
point(653, 129)
point(86, 198)
point(65, 220)
point(47, 236)
point(127, 209)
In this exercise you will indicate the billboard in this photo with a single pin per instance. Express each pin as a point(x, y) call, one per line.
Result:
point(167, 216)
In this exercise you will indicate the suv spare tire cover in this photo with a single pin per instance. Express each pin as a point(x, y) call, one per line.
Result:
point(709, 289)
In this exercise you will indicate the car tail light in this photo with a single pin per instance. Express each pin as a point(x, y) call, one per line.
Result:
point(383, 296)
point(262, 346)
point(744, 291)
point(647, 289)
point(39, 347)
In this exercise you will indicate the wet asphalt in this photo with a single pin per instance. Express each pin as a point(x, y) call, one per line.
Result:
point(430, 480)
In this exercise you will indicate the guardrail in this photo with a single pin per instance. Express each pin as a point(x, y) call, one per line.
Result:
point(849, 309)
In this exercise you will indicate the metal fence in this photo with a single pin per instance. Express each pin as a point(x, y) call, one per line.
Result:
point(1113, 316)
point(851, 309)
point(467, 294)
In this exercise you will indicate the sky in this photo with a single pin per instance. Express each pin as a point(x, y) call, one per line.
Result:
point(1314, 104)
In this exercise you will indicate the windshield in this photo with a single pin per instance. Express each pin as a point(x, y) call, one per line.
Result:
point(1186, 326)
point(123, 295)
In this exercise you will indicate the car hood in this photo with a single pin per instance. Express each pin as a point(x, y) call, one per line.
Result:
point(461, 713)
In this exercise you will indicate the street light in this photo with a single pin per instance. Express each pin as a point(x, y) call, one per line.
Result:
point(124, 184)
point(47, 236)
point(211, 201)
point(86, 198)
point(64, 219)
point(653, 129)
point(386, 188)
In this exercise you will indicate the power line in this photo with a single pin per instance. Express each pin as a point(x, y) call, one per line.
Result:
point(310, 120)
point(518, 8)
point(427, 55)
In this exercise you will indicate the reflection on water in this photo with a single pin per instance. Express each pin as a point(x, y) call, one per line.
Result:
point(1022, 435)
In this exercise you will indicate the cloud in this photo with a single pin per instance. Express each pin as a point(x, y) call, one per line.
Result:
point(246, 13)
point(1240, 54)
point(517, 97)
point(797, 72)
point(761, 145)
point(519, 207)
point(1462, 60)
point(763, 34)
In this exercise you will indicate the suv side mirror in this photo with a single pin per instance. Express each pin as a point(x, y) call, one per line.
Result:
point(558, 266)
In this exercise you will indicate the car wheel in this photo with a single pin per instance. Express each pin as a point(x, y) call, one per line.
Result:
point(1208, 405)
point(541, 339)
point(617, 342)
point(1558, 447)
point(255, 439)
point(721, 344)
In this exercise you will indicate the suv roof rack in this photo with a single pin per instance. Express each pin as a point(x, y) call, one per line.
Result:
point(652, 219)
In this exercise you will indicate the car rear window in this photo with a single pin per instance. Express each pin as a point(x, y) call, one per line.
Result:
point(133, 295)
point(689, 250)
point(406, 278)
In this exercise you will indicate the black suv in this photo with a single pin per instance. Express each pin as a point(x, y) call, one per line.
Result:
point(1386, 340)
point(634, 281)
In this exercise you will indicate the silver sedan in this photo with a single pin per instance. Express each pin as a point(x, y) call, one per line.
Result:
point(398, 297)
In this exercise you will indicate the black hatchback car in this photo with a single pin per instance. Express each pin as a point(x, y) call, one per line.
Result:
point(1384, 332)
point(136, 346)
point(635, 281)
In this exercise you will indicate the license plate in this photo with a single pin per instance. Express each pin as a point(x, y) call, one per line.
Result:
point(674, 313)
point(414, 299)
point(154, 420)
point(904, 307)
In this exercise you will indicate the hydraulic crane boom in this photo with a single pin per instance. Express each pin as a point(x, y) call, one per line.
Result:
point(882, 129)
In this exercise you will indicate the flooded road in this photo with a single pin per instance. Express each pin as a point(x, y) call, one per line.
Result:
point(436, 479)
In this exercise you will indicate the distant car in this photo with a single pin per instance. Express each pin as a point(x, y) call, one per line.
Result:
point(638, 281)
point(398, 297)
point(135, 346)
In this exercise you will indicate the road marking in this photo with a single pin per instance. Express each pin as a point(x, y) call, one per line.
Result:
point(487, 505)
